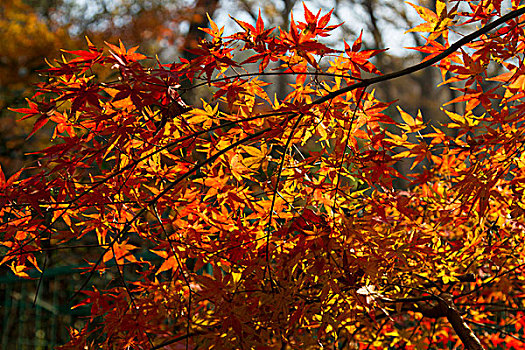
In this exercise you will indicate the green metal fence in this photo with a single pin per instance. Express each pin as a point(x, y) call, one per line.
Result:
point(43, 323)
point(27, 323)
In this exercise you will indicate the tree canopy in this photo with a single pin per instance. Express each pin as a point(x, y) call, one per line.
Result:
point(277, 221)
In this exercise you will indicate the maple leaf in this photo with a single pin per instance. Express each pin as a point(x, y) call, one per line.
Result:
point(120, 252)
point(19, 270)
point(244, 217)
point(436, 23)
point(411, 124)
point(360, 59)
point(122, 55)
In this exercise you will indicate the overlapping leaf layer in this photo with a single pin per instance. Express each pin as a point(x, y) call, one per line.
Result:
point(280, 222)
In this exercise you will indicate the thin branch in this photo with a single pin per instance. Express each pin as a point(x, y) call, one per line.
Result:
point(168, 188)
point(458, 44)
point(274, 197)
point(339, 172)
point(258, 74)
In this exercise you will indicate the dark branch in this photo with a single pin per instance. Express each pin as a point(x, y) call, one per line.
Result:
point(458, 44)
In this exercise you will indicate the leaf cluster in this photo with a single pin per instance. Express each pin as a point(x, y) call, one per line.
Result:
point(277, 220)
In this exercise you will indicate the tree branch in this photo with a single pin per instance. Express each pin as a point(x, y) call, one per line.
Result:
point(458, 44)
point(463, 331)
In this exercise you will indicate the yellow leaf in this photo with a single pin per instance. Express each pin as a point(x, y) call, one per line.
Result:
point(440, 7)
point(407, 118)
point(254, 151)
point(412, 124)
point(425, 13)
point(236, 277)
point(33, 261)
point(163, 254)
point(18, 270)
point(237, 167)
point(168, 264)
point(258, 156)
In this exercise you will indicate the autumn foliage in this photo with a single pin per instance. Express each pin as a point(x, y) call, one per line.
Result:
point(276, 221)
